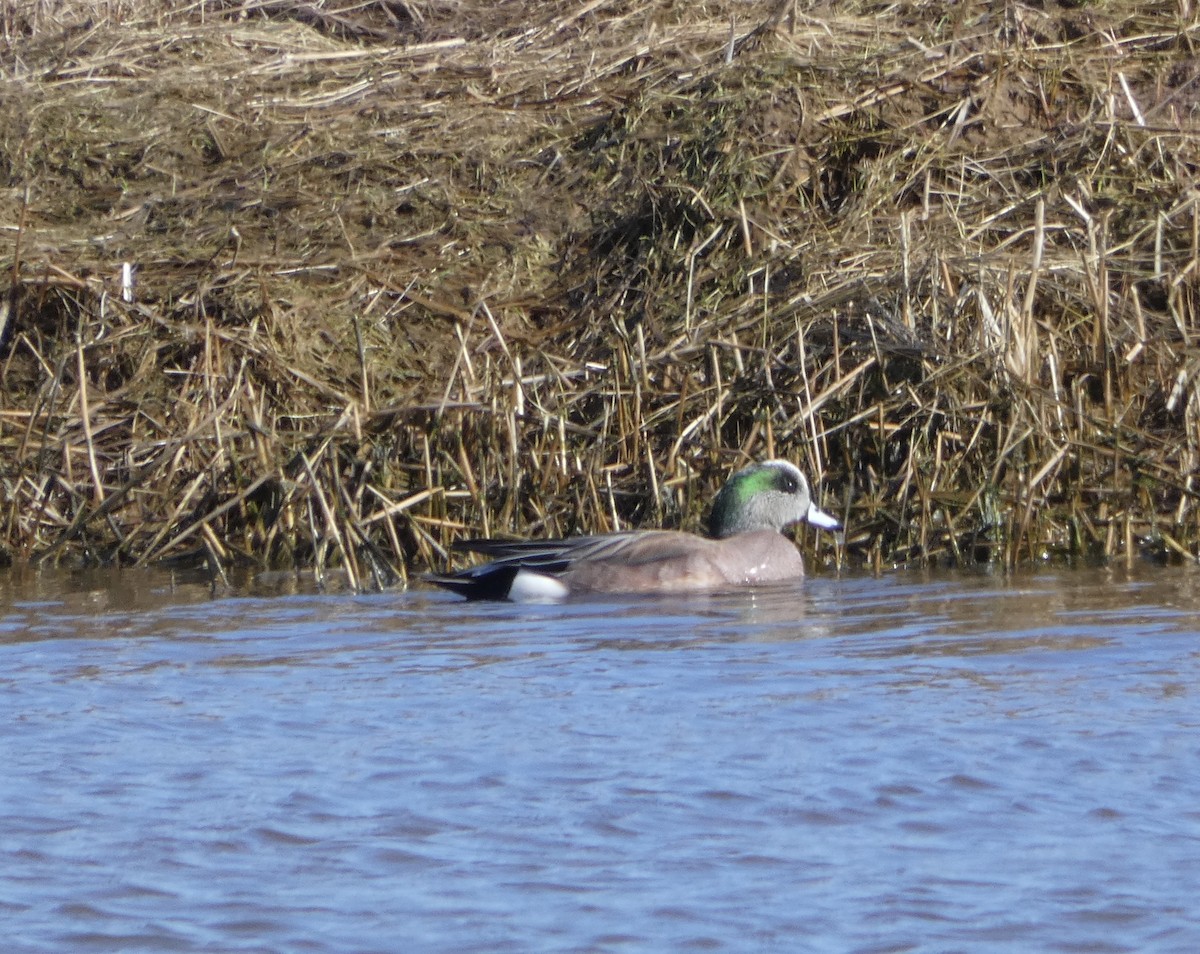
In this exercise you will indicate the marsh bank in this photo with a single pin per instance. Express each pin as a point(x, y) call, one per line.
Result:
point(297, 285)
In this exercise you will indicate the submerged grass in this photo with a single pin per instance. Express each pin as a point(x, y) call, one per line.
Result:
point(318, 284)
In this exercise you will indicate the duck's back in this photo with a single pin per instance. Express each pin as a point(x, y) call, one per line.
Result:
point(666, 561)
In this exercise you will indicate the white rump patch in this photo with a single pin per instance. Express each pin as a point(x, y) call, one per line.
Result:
point(530, 587)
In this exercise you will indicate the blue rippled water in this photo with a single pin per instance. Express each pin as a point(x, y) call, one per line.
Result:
point(905, 763)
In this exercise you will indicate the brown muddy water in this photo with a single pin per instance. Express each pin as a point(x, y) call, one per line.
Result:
point(916, 762)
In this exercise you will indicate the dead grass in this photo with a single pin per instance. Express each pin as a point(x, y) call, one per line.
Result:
point(331, 283)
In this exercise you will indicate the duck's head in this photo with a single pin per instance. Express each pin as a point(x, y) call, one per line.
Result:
point(766, 496)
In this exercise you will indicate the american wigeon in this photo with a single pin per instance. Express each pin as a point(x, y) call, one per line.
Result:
point(746, 546)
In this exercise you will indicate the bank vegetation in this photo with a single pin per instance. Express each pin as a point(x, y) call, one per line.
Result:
point(331, 284)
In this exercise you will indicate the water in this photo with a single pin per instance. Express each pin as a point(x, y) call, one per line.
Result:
point(908, 763)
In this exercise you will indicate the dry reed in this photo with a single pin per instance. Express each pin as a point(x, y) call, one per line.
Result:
point(329, 284)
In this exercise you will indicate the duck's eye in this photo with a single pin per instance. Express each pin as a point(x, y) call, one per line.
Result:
point(790, 484)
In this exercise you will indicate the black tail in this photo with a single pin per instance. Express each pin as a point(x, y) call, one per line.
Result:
point(487, 582)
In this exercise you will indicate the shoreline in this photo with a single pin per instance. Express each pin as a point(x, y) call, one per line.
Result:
point(336, 290)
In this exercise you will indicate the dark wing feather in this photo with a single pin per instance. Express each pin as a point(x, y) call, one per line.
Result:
point(556, 556)
point(544, 556)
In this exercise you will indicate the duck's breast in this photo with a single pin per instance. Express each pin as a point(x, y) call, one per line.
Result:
point(761, 556)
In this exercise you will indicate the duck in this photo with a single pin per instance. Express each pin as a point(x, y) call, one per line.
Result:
point(745, 546)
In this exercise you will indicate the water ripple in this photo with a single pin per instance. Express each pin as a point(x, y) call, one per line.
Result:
point(914, 762)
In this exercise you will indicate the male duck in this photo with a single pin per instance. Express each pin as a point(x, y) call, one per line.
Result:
point(747, 546)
